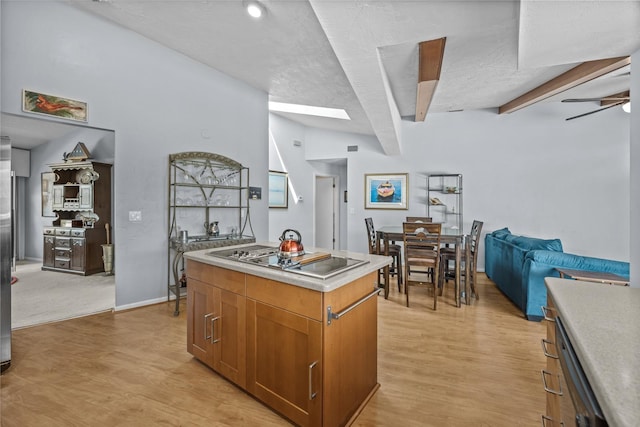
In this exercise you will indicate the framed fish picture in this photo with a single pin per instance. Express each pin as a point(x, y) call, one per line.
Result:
point(386, 191)
point(52, 105)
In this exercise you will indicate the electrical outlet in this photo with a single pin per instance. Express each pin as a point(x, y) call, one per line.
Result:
point(135, 216)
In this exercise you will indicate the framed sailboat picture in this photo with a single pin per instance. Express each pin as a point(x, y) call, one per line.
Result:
point(386, 191)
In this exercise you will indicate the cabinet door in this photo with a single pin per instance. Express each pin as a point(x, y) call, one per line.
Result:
point(85, 196)
point(58, 197)
point(284, 365)
point(200, 315)
point(78, 255)
point(48, 254)
point(229, 336)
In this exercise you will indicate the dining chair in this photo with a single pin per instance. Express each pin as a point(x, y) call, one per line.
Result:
point(419, 219)
point(394, 251)
point(448, 257)
point(421, 249)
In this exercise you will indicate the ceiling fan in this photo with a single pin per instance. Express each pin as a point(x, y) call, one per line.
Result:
point(605, 102)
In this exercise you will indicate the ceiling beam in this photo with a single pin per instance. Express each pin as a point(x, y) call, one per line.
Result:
point(430, 63)
point(616, 98)
point(572, 78)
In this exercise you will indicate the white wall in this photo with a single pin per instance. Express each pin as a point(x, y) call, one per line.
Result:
point(635, 175)
point(302, 169)
point(157, 101)
point(531, 171)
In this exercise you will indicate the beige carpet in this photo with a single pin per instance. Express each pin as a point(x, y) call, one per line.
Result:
point(43, 296)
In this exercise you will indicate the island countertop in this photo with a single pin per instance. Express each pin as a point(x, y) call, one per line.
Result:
point(603, 324)
point(374, 263)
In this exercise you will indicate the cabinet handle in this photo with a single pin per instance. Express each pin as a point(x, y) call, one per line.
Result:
point(213, 323)
point(331, 315)
point(547, 316)
point(206, 316)
point(545, 343)
point(546, 387)
point(312, 394)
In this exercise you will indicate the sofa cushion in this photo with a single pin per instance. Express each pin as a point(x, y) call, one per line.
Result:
point(532, 243)
point(501, 234)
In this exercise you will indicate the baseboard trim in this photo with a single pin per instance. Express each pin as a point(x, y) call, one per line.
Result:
point(140, 304)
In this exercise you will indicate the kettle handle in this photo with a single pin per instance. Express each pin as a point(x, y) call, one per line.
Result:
point(283, 237)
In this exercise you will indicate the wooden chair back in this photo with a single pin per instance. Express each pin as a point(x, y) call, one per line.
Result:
point(419, 219)
point(474, 243)
point(422, 255)
point(371, 235)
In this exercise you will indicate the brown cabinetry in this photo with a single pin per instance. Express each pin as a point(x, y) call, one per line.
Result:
point(559, 407)
point(216, 321)
point(82, 204)
point(281, 343)
point(48, 255)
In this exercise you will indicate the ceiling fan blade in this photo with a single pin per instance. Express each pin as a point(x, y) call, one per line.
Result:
point(622, 98)
point(595, 111)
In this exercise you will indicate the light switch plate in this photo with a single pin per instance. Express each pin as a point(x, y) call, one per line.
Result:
point(135, 216)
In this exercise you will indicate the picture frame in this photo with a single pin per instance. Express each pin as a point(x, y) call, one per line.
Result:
point(386, 191)
point(47, 179)
point(278, 189)
point(53, 105)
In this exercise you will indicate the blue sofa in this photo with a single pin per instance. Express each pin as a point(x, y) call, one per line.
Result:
point(519, 264)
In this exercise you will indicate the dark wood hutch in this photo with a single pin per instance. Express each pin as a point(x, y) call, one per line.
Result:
point(82, 203)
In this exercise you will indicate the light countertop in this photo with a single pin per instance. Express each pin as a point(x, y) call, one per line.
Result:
point(374, 263)
point(603, 324)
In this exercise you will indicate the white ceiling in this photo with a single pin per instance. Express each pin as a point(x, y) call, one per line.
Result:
point(362, 55)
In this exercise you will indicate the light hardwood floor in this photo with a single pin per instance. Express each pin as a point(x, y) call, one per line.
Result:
point(477, 365)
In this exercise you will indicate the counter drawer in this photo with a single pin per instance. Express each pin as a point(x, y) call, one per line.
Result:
point(222, 278)
point(296, 299)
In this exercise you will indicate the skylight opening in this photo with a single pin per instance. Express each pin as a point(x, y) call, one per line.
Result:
point(334, 113)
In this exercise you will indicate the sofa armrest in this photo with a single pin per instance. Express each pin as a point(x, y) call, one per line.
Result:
point(541, 264)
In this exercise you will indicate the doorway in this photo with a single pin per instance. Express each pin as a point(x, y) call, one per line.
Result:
point(43, 296)
point(326, 214)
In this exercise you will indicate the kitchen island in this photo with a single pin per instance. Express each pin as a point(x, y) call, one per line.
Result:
point(304, 346)
point(602, 323)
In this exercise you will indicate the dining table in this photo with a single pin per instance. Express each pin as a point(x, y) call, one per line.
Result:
point(451, 237)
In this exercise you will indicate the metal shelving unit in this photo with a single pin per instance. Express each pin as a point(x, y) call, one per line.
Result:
point(204, 188)
point(444, 200)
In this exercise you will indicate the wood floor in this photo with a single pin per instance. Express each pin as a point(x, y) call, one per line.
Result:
point(477, 365)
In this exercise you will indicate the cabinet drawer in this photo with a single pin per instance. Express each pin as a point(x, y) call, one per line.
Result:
point(77, 232)
point(63, 232)
point(62, 253)
point(63, 243)
point(49, 231)
point(61, 263)
point(229, 280)
point(302, 301)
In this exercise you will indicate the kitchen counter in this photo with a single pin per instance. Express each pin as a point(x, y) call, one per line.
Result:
point(603, 324)
point(374, 263)
point(304, 346)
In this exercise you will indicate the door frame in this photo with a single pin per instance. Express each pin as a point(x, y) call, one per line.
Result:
point(336, 207)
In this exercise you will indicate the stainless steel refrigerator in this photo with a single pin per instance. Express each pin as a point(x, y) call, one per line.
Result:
point(6, 251)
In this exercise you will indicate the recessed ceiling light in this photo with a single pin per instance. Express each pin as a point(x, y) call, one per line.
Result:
point(255, 9)
point(334, 113)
